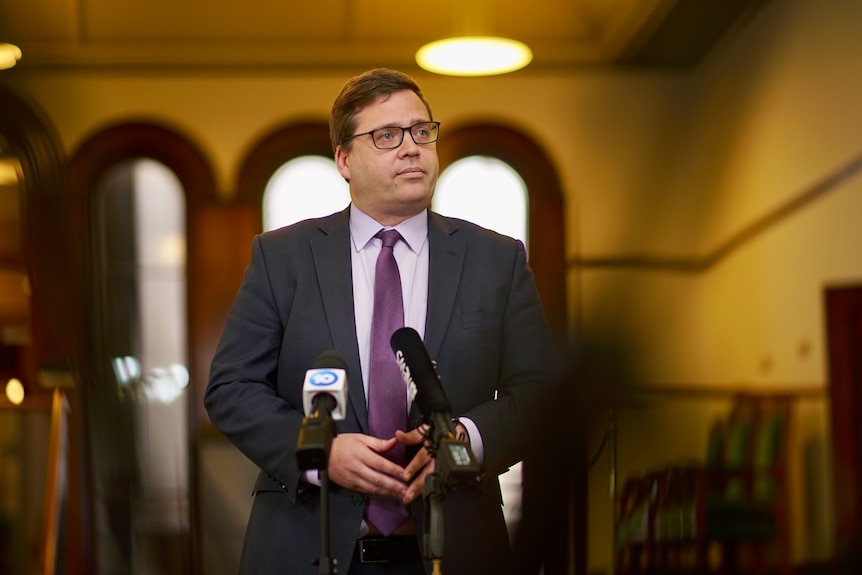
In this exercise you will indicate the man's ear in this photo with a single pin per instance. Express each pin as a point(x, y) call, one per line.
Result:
point(341, 163)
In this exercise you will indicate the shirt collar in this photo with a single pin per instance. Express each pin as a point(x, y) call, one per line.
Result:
point(363, 227)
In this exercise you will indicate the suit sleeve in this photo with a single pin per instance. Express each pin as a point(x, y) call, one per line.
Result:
point(499, 354)
point(241, 397)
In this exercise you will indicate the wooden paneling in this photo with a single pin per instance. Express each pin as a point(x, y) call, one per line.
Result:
point(219, 249)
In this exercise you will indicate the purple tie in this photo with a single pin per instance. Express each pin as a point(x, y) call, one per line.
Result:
point(387, 393)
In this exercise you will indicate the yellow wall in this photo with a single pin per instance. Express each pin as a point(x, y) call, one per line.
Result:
point(663, 163)
point(769, 116)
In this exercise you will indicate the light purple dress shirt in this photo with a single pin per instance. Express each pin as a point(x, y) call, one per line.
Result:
point(412, 258)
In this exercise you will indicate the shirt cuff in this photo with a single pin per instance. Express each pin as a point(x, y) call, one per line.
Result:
point(476, 444)
point(311, 476)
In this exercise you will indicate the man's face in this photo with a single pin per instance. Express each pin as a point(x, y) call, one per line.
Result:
point(390, 185)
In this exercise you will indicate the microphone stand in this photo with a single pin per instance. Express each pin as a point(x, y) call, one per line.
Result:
point(326, 563)
point(454, 464)
point(312, 452)
point(434, 494)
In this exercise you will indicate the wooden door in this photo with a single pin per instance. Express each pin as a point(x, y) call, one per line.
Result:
point(844, 340)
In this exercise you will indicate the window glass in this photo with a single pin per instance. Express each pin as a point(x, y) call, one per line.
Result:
point(161, 254)
point(485, 191)
point(143, 445)
point(302, 188)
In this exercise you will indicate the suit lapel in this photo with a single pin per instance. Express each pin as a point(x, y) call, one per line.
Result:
point(331, 253)
point(446, 260)
point(445, 267)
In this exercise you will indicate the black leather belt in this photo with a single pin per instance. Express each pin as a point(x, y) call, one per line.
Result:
point(392, 549)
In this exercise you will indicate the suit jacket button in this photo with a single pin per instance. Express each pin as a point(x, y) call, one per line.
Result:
point(358, 499)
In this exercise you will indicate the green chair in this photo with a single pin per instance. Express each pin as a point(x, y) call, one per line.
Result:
point(734, 502)
point(676, 517)
point(743, 509)
point(633, 544)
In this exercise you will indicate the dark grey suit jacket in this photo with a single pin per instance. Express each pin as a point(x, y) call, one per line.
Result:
point(485, 328)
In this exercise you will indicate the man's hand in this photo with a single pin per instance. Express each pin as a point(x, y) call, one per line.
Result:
point(355, 463)
point(421, 465)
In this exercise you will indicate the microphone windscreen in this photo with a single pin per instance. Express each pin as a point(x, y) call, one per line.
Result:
point(430, 397)
point(333, 359)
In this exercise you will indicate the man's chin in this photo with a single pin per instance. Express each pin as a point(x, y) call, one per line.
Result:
point(415, 199)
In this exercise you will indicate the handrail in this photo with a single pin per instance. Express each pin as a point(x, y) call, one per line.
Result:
point(696, 264)
point(634, 396)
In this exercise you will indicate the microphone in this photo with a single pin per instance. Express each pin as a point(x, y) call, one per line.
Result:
point(455, 460)
point(325, 385)
point(324, 399)
point(419, 372)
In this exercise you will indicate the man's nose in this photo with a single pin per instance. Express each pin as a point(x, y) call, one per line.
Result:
point(408, 146)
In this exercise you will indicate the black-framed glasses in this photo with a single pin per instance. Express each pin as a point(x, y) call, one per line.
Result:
point(389, 138)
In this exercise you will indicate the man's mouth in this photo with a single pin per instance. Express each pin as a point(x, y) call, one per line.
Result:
point(409, 171)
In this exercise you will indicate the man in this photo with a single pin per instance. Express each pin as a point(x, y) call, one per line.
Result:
point(310, 288)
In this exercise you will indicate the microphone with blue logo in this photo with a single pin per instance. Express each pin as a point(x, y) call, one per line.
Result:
point(324, 400)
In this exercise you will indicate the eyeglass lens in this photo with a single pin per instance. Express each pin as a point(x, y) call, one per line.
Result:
point(422, 133)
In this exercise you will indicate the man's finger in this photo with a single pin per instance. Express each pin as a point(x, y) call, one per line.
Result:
point(356, 463)
point(417, 486)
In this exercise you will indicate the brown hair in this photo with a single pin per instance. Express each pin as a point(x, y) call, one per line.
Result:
point(362, 90)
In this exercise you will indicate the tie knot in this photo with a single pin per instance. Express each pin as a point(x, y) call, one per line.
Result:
point(389, 237)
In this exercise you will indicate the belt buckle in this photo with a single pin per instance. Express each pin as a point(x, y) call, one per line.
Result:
point(371, 550)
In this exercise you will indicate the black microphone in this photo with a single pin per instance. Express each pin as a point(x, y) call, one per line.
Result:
point(419, 373)
point(324, 398)
point(455, 461)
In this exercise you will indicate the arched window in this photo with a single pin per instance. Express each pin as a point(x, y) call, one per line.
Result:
point(278, 179)
point(545, 210)
point(138, 180)
point(302, 188)
point(142, 254)
point(485, 191)
point(140, 210)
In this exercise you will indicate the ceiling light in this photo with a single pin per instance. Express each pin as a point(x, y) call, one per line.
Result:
point(9, 55)
point(15, 391)
point(474, 56)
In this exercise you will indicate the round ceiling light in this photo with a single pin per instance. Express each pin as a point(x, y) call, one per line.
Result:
point(9, 55)
point(15, 391)
point(474, 56)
